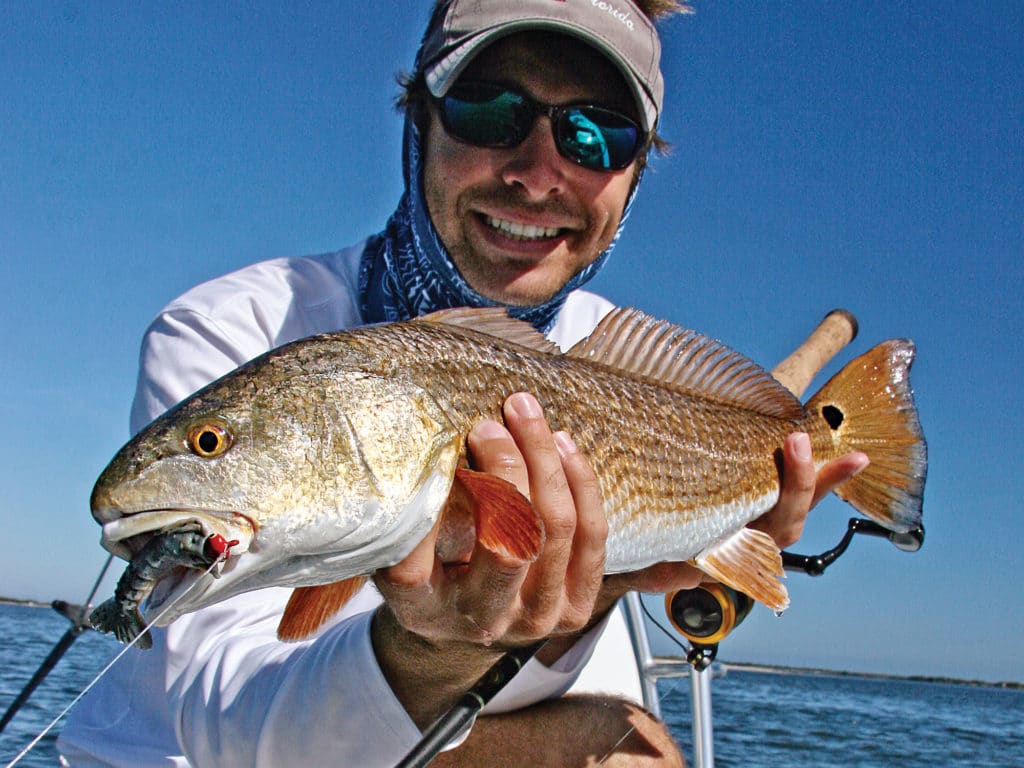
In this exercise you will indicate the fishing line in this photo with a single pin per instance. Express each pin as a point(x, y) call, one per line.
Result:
point(662, 697)
point(76, 614)
point(107, 668)
point(632, 728)
point(99, 580)
point(668, 633)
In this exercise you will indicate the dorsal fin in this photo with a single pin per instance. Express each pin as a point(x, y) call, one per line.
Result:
point(629, 340)
point(494, 321)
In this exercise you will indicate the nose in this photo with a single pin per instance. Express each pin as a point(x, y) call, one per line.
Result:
point(535, 165)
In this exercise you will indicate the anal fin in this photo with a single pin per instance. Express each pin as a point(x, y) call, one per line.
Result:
point(309, 607)
point(749, 561)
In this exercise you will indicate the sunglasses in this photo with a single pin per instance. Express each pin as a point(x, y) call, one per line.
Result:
point(494, 115)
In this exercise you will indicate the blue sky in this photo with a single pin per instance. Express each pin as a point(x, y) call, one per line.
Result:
point(862, 155)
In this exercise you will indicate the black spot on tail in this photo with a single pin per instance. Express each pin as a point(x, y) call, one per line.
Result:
point(832, 415)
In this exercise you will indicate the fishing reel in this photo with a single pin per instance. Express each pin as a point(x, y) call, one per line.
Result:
point(707, 614)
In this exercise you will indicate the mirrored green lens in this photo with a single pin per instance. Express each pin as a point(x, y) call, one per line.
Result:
point(486, 117)
point(597, 138)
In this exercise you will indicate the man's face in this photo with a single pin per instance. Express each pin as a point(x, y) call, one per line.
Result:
point(520, 222)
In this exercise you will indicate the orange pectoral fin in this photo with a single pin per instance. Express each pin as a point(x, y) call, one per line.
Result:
point(748, 561)
point(506, 522)
point(309, 607)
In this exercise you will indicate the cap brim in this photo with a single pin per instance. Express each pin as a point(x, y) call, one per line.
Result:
point(442, 74)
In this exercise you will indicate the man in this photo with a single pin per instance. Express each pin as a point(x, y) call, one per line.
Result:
point(527, 126)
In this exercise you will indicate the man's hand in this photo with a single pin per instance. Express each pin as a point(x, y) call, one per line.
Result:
point(495, 600)
point(442, 627)
point(802, 488)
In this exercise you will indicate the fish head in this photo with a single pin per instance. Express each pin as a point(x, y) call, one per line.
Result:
point(317, 474)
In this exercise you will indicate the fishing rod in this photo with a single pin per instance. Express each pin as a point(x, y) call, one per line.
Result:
point(78, 615)
point(814, 353)
point(708, 613)
point(221, 556)
point(705, 616)
point(452, 723)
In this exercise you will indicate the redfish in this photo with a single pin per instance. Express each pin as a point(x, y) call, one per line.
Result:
point(333, 456)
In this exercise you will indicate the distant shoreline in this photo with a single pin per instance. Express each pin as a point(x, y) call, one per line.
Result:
point(744, 666)
point(24, 603)
point(769, 669)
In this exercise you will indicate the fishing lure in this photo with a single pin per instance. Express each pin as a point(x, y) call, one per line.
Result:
point(183, 547)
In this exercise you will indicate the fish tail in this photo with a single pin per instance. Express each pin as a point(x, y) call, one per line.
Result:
point(109, 618)
point(869, 407)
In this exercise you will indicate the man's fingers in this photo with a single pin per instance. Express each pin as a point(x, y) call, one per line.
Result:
point(659, 578)
point(802, 488)
point(488, 594)
point(785, 521)
point(417, 568)
point(798, 469)
point(586, 566)
point(494, 597)
point(414, 588)
point(494, 451)
point(491, 586)
point(552, 499)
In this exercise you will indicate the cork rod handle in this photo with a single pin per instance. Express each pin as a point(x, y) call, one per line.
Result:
point(833, 333)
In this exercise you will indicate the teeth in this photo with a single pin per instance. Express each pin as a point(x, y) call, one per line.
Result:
point(519, 231)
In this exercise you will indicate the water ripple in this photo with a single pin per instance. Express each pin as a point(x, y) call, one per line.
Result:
point(760, 720)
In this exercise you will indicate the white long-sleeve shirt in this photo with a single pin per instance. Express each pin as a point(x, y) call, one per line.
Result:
point(218, 688)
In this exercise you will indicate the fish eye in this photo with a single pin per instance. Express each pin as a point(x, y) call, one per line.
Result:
point(208, 439)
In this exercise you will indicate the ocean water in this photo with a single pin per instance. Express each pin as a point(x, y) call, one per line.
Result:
point(770, 720)
point(760, 720)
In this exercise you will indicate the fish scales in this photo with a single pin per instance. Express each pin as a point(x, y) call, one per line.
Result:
point(331, 457)
point(663, 458)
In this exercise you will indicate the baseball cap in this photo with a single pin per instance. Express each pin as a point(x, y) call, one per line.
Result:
point(460, 29)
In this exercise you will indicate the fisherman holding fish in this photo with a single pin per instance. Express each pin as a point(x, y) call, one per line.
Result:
point(527, 128)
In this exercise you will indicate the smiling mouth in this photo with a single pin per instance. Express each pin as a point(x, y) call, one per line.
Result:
point(524, 232)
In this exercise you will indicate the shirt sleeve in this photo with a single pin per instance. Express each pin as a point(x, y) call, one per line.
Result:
point(182, 352)
point(239, 697)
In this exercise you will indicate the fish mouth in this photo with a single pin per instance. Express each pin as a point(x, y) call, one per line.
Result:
point(173, 594)
point(126, 535)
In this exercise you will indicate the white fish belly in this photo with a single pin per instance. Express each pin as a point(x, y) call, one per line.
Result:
point(637, 540)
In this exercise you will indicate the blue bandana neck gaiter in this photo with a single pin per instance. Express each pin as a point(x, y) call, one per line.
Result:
point(406, 270)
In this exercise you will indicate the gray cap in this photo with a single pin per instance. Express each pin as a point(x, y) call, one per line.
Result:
point(616, 28)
